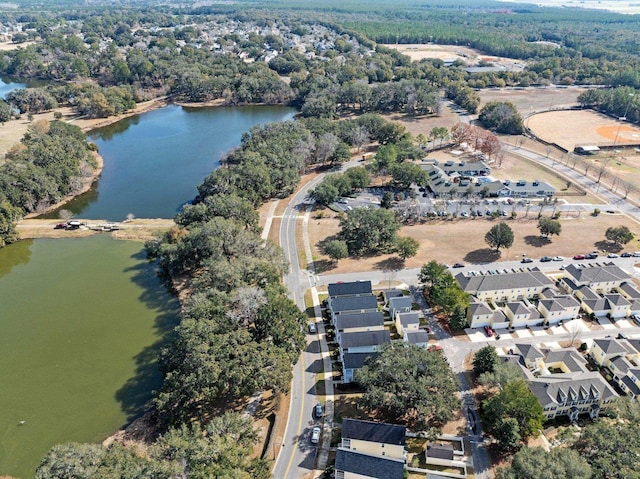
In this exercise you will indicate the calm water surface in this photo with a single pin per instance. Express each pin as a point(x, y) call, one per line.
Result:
point(80, 327)
point(155, 161)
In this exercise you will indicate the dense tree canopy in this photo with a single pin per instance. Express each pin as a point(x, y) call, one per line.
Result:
point(619, 234)
point(549, 227)
point(501, 117)
point(369, 231)
point(499, 236)
point(537, 463)
point(411, 384)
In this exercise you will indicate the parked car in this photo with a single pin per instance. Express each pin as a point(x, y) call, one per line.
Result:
point(593, 255)
point(312, 328)
point(636, 254)
point(458, 265)
point(545, 259)
point(558, 258)
point(318, 410)
point(636, 318)
point(579, 256)
point(488, 330)
point(315, 435)
point(613, 255)
point(60, 226)
point(626, 255)
point(527, 260)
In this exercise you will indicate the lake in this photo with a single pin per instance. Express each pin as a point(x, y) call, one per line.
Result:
point(81, 322)
point(155, 161)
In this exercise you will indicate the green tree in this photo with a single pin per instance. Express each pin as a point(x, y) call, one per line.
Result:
point(358, 177)
point(499, 236)
point(515, 401)
point(387, 200)
point(369, 231)
point(485, 360)
point(507, 433)
point(502, 117)
point(407, 247)
point(431, 273)
point(407, 173)
point(458, 320)
point(503, 373)
point(410, 384)
point(535, 462)
point(549, 227)
point(336, 250)
point(619, 235)
point(385, 158)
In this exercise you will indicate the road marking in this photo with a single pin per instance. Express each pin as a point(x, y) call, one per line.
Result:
point(303, 389)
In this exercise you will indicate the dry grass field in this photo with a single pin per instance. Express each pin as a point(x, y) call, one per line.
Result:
point(533, 99)
point(587, 127)
point(462, 240)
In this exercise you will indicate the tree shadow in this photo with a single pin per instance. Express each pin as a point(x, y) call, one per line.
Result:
point(485, 255)
point(608, 246)
point(136, 393)
point(537, 241)
point(323, 265)
point(395, 263)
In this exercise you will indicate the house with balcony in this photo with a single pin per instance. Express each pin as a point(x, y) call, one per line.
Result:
point(522, 314)
point(363, 342)
point(562, 383)
point(352, 305)
point(358, 323)
point(631, 293)
point(622, 358)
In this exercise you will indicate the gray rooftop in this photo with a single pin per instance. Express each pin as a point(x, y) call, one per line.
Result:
point(631, 385)
point(400, 302)
point(357, 360)
point(407, 319)
point(596, 274)
point(617, 300)
point(518, 307)
point(529, 351)
point(353, 303)
point(366, 338)
point(622, 364)
point(570, 357)
point(417, 337)
point(611, 346)
point(359, 320)
point(480, 308)
point(374, 432)
point(350, 289)
point(500, 282)
point(365, 465)
point(630, 290)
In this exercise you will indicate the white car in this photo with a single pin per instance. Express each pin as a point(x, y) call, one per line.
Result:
point(558, 258)
point(315, 435)
point(613, 255)
point(636, 254)
point(312, 328)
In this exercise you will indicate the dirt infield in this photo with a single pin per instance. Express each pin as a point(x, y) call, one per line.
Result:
point(581, 127)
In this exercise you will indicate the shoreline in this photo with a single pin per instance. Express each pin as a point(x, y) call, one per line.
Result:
point(88, 125)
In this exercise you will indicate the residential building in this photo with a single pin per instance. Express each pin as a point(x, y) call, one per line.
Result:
point(505, 287)
point(400, 304)
point(358, 465)
point(351, 362)
point(522, 314)
point(409, 321)
point(418, 338)
point(559, 308)
point(357, 323)
point(353, 304)
point(363, 342)
point(601, 279)
point(562, 383)
point(375, 438)
point(479, 314)
point(353, 288)
point(622, 358)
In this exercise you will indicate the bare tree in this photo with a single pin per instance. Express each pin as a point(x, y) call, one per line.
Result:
point(628, 188)
point(245, 304)
point(359, 137)
point(602, 168)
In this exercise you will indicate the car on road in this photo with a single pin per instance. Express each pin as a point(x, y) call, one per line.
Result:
point(488, 330)
point(579, 256)
point(317, 411)
point(315, 435)
point(626, 255)
point(458, 265)
point(558, 258)
point(526, 260)
point(613, 255)
point(312, 328)
point(545, 259)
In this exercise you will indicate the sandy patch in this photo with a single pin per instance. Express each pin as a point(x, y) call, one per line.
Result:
point(527, 100)
point(7, 46)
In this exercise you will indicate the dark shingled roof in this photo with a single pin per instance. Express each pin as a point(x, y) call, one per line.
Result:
point(364, 338)
point(440, 451)
point(375, 467)
point(357, 360)
point(353, 303)
point(374, 432)
point(350, 289)
point(359, 320)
